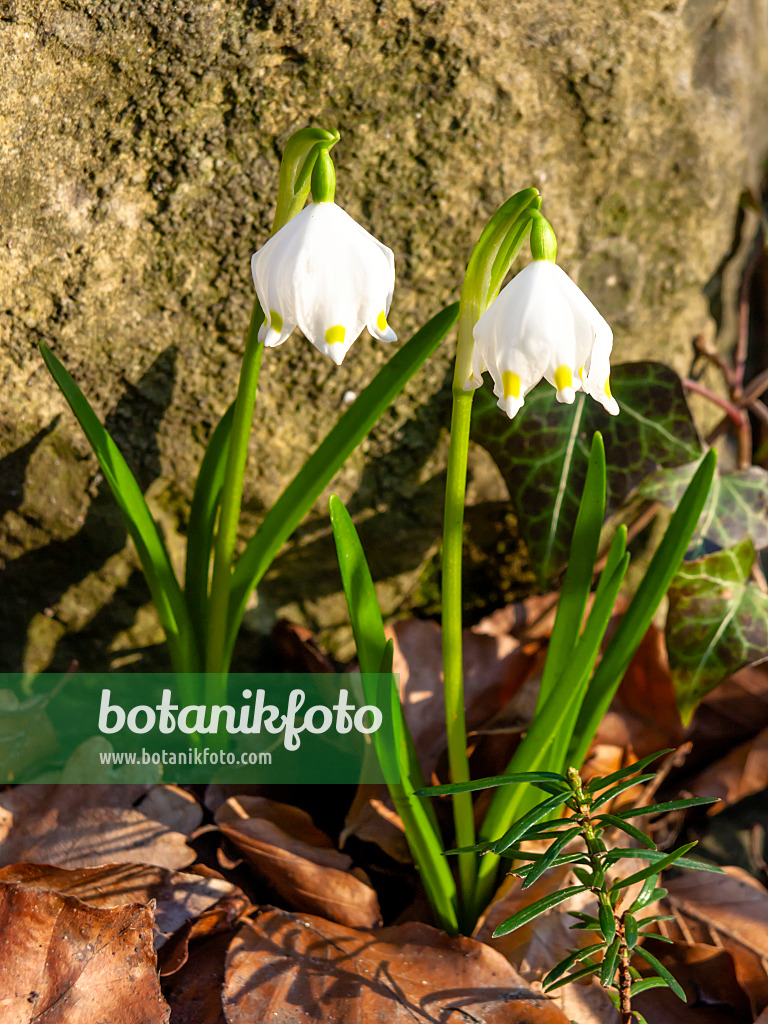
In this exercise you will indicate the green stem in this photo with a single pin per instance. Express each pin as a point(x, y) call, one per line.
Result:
point(453, 669)
point(229, 517)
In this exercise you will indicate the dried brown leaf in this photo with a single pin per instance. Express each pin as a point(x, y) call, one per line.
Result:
point(301, 969)
point(179, 897)
point(173, 807)
point(729, 911)
point(740, 773)
point(299, 860)
point(64, 962)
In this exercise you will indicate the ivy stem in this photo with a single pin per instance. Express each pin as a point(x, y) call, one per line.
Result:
point(229, 517)
point(453, 668)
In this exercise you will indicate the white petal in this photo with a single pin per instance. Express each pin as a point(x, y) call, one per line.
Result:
point(323, 272)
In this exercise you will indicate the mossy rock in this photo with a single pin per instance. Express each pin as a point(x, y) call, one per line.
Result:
point(139, 145)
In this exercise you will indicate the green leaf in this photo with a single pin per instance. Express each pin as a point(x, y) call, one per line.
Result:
point(653, 870)
point(607, 921)
point(645, 896)
point(608, 966)
point(630, 930)
point(668, 805)
point(374, 653)
point(736, 509)
point(573, 957)
point(515, 831)
point(495, 780)
point(202, 521)
point(717, 623)
point(549, 859)
point(542, 453)
point(637, 618)
point(595, 785)
point(364, 611)
point(662, 971)
point(161, 579)
point(630, 830)
point(591, 968)
point(535, 909)
point(577, 582)
point(645, 985)
point(620, 788)
point(654, 856)
point(321, 467)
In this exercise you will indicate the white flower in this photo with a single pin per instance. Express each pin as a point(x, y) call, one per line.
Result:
point(543, 325)
point(325, 274)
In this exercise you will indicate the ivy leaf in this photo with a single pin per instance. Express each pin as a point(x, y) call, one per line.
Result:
point(737, 506)
point(543, 452)
point(717, 623)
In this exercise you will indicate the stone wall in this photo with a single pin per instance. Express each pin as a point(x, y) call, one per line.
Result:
point(139, 146)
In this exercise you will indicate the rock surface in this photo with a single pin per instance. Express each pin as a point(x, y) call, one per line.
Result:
point(139, 146)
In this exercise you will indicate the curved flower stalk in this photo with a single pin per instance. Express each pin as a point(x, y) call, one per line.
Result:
point(324, 273)
point(543, 326)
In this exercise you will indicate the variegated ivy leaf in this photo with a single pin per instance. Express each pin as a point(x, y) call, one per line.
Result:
point(542, 453)
point(737, 506)
point(717, 623)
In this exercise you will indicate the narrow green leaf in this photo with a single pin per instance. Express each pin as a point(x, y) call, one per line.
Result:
point(202, 521)
point(662, 971)
point(321, 467)
point(374, 652)
point(654, 856)
point(668, 805)
point(494, 780)
point(654, 869)
point(551, 857)
point(646, 985)
point(535, 909)
point(603, 783)
point(630, 930)
point(607, 921)
point(573, 957)
point(577, 582)
point(620, 788)
point(161, 579)
point(608, 966)
point(630, 830)
point(638, 616)
point(364, 611)
point(520, 827)
point(591, 968)
point(645, 896)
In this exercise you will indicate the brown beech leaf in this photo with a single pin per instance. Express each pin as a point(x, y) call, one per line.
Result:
point(495, 667)
point(64, 962)
point(644, 713)
point(373, 819)
point(70, 827)
point(729, 911)
point(173, 807)
point(179, 897)
point(194, 992)
point(706, 975)
point(740, 773)
point(299, 860)
point(306, 970)
point(222, 917)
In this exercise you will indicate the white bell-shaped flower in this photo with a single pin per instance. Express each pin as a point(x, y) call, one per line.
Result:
point(324, 273)
point(543, 325)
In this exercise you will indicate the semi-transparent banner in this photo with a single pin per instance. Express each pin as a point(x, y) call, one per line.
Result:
point(127, 728)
